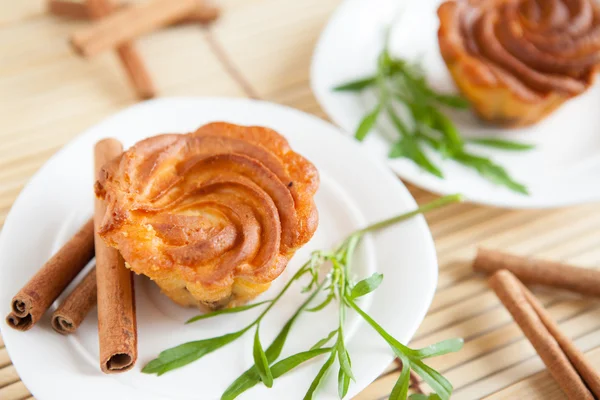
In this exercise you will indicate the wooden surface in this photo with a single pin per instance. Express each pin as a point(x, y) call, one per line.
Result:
point(262, 49)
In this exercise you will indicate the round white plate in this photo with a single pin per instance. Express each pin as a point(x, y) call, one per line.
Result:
point(355, 190)
point(563, 169)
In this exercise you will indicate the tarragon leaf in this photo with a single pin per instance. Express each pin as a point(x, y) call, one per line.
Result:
point(502, 144)
point(291, 362)
point(488, 169)
point(441, 348)
point(260, 361)
point(320, 375)
point(324, 341)
point(367, 123)
point(226, 311)
point(408, 147)
point(366, 286)
point(356, 85)
point(322, 305)
point(188, 352)
point(400, 389)
point(343, 383)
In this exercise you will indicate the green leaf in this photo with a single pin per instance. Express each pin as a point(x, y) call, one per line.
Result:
point(344, 357)
point(398, 347)
point(343, 383)
point(356, 85)
point(491, 171)
point(421, 396)
point(502, 144)
point(445, 125)
point(226, 311)
point(260, 361)
point(454, 101)
point(244, 382)
point(287, 364)
point(400, 390)
point(441, 348)
point(408, 147)
point(366, 285)
point(367, 123)
point(323, 341)
point(438, 383)
point(400, 126)
point(251, 377)
point(188, 352)
point(322, 305)
point(320, 375)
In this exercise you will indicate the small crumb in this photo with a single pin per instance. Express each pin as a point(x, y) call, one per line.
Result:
point(290, 184)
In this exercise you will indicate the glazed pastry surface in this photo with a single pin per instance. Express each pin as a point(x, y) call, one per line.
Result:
point(213, 216)
point(518, 60)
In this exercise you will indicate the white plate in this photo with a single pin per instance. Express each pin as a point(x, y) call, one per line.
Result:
point(354, 190)
point(564, 168)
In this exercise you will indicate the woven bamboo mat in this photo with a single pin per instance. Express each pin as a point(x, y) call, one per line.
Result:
point(262, 49)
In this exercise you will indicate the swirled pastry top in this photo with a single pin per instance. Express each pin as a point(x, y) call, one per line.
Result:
point(209, 209)
point(540, 52)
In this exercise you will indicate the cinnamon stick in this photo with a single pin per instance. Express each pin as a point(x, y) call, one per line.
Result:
point(512, 294)
point(125, 25)
point(580, 362)
point(32, 301)
point(117, 329)
point(129, 56)
point(68, 9)
point(549, 273)
point(203, 14)
point(69, 315)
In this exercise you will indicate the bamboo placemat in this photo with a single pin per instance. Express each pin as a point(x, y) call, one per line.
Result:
point(262, 49)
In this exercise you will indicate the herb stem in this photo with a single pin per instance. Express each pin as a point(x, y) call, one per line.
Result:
point(386, 336)
point(297, 275)
point(442, 201)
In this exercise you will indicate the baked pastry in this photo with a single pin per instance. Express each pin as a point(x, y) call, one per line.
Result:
point(518, 60)
point(211, 216)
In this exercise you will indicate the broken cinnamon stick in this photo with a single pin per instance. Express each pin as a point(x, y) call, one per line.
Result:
point(32, 301)
point(542, 272)
point(125, 25)
point(68, 9)
point(129, 56)
point(117, 330)
point(512, 294)
point(69, 315)
point(204, 13)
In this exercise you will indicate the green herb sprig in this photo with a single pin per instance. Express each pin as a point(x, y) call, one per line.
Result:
point(338, 288)
point(398, 82)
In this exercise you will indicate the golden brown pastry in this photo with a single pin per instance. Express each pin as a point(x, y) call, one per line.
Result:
point(518, 60)
point(212, 216)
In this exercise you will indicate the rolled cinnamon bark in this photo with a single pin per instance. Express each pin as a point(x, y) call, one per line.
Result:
point(512, 294)
point(542, 272)
point(68, 9)
point(125, 25)
point(128, 54)
point(69, 315)
point(117, 330)
point(204, 13)
point(32, 301)
point(576, 356)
